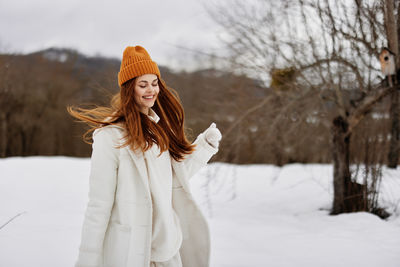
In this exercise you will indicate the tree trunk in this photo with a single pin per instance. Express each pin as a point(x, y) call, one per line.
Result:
point(348, 195)
point(393, 157)
point(341, 163)
point(392, 29)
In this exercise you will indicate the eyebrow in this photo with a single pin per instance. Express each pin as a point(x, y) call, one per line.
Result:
point(146, 81)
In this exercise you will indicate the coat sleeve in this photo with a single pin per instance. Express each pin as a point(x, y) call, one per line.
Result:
point(102, 185)
point(199, 158)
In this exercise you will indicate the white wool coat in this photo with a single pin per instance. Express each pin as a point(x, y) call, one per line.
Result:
point(117, 227)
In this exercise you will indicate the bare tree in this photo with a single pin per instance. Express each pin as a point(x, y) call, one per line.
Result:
point(10, 102)
point(331, 48)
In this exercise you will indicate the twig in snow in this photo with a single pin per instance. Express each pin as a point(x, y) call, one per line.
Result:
point(1, 227)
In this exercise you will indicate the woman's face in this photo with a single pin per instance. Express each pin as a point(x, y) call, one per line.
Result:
point(146, 91)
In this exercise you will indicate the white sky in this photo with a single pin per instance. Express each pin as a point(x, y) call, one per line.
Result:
point(107, 27)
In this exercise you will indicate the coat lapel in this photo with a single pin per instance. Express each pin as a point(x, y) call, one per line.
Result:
point(178, 170)
point(139, 161)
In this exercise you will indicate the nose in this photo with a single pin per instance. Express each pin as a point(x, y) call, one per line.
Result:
point(151, 88)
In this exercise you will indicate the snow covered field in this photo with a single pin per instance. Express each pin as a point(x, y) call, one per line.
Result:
point(259, 215)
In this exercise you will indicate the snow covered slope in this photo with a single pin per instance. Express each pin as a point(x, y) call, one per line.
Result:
point(259, 215)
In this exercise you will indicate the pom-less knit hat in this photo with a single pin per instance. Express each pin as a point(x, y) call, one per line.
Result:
point(136, 62)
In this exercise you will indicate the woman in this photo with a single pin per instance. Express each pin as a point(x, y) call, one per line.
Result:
point(140, 210)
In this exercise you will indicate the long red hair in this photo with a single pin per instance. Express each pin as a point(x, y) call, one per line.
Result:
point(141, 132)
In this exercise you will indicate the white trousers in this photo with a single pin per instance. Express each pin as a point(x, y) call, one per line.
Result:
point(175, 261)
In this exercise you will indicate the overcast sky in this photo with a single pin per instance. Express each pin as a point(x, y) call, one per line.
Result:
point(107, 27)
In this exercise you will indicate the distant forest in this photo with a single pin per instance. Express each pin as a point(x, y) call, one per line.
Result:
point(36, 89)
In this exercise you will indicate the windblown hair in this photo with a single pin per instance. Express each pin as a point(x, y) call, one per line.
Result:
point(141, 132)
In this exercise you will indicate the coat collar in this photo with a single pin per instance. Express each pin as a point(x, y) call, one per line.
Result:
point(178, 171)
point(153, 116)
point(138, 157)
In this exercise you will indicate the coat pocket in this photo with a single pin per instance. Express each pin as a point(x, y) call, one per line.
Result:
point(116, 245)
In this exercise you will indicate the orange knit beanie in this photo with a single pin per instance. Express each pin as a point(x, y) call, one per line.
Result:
point(136, 62)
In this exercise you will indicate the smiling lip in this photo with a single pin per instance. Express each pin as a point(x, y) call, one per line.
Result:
point(150, 97)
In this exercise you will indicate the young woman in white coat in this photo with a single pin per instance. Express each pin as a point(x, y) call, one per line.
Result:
point(140, 211)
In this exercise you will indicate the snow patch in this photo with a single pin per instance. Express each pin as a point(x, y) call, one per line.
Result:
point(259, 215)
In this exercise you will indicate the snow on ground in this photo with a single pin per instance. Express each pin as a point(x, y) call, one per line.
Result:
point(259, 215)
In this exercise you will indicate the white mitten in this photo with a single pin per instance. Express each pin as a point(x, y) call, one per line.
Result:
point(213, 135)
